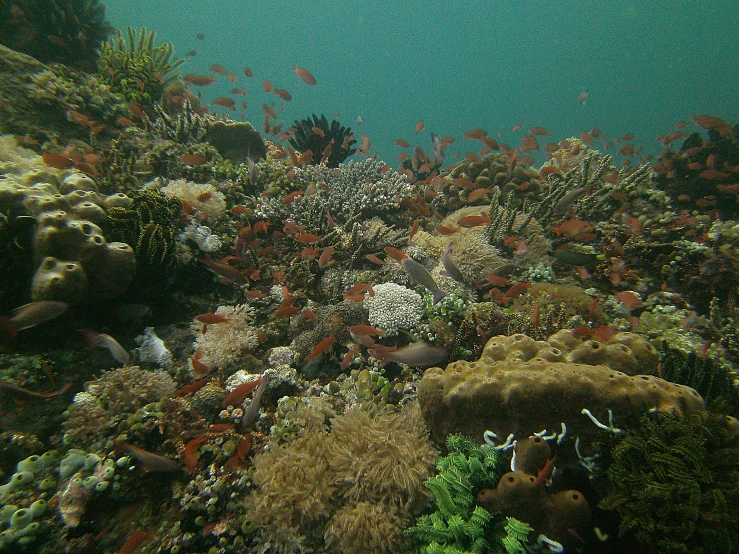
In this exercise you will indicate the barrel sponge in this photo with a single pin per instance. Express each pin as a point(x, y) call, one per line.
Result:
point(65, 281)
point(524, 397)
point(112, 272)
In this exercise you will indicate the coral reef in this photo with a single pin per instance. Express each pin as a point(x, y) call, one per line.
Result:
point(64, 31)
point(334, 135)
point(458, 523)
point(236, 140)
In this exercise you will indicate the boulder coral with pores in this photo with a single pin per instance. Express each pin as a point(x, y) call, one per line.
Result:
point(510, 391)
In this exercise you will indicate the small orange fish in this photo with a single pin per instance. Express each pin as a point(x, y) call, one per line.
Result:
point(539, 131)
point(473, 220)
point(304, 75)
point(237, 395)
point(394, 253)
point(360, 287)
point(267, 86)
point(320, 348)
point(212, 319)
point(219, 69)
point(292, 196)
point(225, 102)
point(199, 80)
point(477, 134)
point(476, 195)
point(58, 161)
point(419, 126)
point(282, 93)
point(326, 257)
point(516, 128)
point(307, 238)
point(192, 159)
point(402, 143)
point(374, 259)
point(348, 357)
point(516, 290)
point(443, 230)
point(190, 448)
point(629, 300)
point(197, 366)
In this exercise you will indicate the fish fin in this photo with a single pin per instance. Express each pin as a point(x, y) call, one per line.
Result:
point(8, 327)
point(438, 295)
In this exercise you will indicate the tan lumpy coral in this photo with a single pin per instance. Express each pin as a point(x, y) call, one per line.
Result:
point(513, 392)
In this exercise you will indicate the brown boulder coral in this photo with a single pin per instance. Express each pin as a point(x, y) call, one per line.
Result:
point(522, 394)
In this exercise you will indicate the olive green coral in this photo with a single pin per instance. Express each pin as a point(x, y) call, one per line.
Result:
point(136, 68)
point(675, 483)
point(150, 225)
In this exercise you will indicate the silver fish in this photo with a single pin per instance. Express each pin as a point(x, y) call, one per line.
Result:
point(438, 148)
point(449, 265)
point(419, 354)
point(95, 339)
point(252, 412)
point(568, 199)
point(583, 98)
point(420, 275)
point(35, 313)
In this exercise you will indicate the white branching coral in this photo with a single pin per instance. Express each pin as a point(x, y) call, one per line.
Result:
point(394, 307)
point(221, 343)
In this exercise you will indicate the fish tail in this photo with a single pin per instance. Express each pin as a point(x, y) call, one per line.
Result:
point(8, 327)
point(439, 295)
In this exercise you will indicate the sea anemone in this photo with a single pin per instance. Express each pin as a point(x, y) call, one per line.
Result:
point(316, 135)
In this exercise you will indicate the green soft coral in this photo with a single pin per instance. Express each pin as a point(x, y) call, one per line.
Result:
point(675, 483)
point(458, 526)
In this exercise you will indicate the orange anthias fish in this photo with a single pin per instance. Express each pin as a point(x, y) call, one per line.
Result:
point(225, 102)
point(473, 220)
point(198, 80)
point(304, 75)
point(237, 395)
point(320, 348)
point(212, 319)
point(218, 68)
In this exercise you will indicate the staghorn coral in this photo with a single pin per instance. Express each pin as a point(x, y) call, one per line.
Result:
point(96, 413)
point(221, 344)
point(64, 31)
point(674, 482)
point(340, 139)
point(135, 68)
point(371, 457)
point(353, 191)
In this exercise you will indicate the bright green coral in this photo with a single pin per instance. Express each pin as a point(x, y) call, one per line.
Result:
point(458, 525)
point(136, 68)
point(675, 483)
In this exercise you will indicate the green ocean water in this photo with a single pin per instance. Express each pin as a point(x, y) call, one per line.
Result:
point(463, 65)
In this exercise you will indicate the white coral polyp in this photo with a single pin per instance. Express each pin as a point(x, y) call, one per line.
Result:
point(394, 307)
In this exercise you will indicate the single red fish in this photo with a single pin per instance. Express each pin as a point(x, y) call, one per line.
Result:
point(237, 395)
point(320, 348)
point(419, 126)
point(394, 253)
point(304, 75)
point(474, 221)
point(211, 318)
point(218, 68)
point(348, 357)
point(307, 238)
point(198, 80)
point(190, 448)
point(192, 388)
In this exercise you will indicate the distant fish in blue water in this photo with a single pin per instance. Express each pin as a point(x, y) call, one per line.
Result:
point(583, 98)
point(360, 120)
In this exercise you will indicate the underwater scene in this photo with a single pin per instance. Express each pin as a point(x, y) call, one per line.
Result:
point(333, 277)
